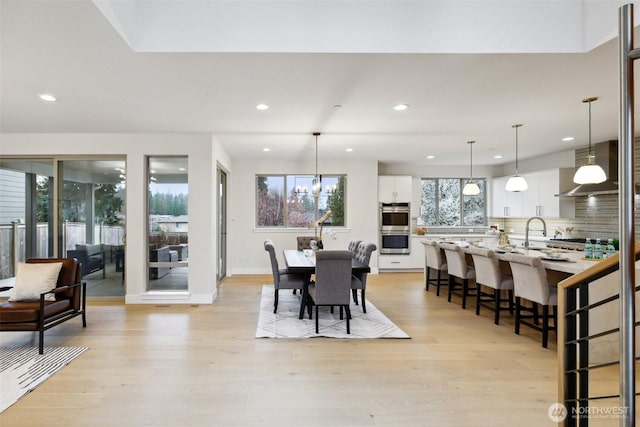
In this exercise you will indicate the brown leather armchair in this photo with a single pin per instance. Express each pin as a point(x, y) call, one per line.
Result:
point(70, 301)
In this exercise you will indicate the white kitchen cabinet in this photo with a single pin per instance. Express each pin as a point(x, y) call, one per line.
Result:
point(396, 262)
point(541, 199)
point(504, 203)
point(393, 188)
point(538, 200)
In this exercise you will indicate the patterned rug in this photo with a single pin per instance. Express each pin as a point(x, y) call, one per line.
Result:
point(22, 369)
point(285, 323)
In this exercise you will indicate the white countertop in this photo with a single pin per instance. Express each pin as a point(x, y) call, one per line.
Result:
point(572, 263)
point(575, 263)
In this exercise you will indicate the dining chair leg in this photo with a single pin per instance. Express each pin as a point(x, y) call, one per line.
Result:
point(511, 302)
point(451, 286)
point(465, 291)
point(545, 325)
point(438, 283)
point(496, 316)
point(364, 307)
point(536, 318)
point(275, 301)
point(355, 295)
point(518, 315)
point(341, 310)
point(426, 285)
point(317, 319)
point(348, 310)
point(478, 302)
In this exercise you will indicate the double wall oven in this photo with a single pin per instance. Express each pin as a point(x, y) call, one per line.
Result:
point(395, 229)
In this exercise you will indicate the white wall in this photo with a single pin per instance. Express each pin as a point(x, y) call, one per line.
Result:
point(204, 154)
point(246, 243)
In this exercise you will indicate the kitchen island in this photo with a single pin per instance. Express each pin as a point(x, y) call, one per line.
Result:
point(414, 261)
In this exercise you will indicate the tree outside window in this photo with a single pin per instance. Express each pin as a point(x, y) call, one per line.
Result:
point(288, 200)
point(443, 204)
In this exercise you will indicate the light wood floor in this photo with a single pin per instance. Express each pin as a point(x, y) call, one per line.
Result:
point(201, 366)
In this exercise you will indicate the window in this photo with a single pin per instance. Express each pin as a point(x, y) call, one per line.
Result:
point(443, 204)
point(288, 200)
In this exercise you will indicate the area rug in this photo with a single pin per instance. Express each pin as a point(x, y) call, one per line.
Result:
point(22, 369)
point(285, 323)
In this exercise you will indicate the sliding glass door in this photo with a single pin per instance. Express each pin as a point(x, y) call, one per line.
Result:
point(168, 222)
point(92, 221)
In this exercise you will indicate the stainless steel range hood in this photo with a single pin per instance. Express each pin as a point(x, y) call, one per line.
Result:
point(606, 156)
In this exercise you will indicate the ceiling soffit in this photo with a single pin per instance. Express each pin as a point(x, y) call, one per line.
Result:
point(363, 26)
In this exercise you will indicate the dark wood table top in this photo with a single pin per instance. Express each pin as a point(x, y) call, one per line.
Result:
point(299, 262)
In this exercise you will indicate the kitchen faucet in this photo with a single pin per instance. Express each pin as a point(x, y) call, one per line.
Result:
point(526, 233)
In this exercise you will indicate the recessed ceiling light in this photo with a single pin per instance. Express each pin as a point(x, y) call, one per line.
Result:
point(47, 97)
point(401, 107)
point(348, 150)
point(568, 138)
point(498, 156)
point(181, 169)
point(262, 107)
point(266, 149)
point(431, 157)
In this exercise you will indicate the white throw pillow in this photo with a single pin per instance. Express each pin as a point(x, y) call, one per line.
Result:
point(34, 279)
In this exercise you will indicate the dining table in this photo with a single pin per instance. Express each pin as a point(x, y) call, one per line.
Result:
point(304, 262)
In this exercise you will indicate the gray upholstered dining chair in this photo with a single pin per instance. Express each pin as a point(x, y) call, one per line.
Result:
point(433, 260)
point(333, 282)
point(488, 274)
point(353, 246)
point(530, 283)
point(281, 278)
point(457, 267)
point(359, 279)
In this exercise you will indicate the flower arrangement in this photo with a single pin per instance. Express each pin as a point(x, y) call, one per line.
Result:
point(563, 232)
point(320, 223)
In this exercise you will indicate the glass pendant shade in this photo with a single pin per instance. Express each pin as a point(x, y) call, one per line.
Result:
point(471, 189)
point(516, 183)
point(590, 173)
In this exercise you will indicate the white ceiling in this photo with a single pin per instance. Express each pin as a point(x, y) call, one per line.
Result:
point(70, 49)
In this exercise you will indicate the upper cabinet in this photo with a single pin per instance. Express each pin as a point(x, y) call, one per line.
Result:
point(394, 188)
point(538, 200)
point(504, 204)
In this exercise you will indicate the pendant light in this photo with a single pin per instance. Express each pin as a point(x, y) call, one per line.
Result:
point(471, 188)
point(316, 186)
point(589, 173)
point(516, 182)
